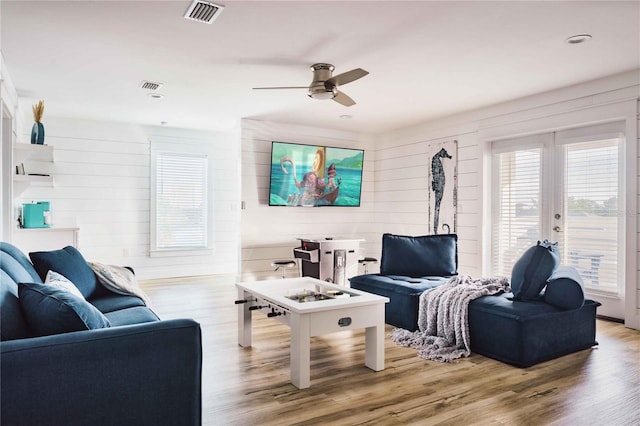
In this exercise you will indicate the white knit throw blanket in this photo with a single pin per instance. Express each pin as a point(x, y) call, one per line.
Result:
point(443, 318)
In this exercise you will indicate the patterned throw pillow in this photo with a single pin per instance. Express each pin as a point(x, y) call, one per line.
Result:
point(59, 281)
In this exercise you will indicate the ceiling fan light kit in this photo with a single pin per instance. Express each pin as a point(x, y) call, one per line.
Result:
point(325, 86)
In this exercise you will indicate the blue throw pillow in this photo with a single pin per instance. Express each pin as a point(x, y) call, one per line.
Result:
point(428, 255)
point(531, 272)
point(50, 310)
point(565, 289)
point(69, 263)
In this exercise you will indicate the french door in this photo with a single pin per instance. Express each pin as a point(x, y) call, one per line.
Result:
point(566, 187)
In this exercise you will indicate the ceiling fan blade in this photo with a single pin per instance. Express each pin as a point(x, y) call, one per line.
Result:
point(284, 87)
point(343, 99)
point(345, 77)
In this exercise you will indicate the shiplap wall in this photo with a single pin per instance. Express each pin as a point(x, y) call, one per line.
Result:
point(401, 166)
point(102, 180)
point(270, 233)
point(402, 190)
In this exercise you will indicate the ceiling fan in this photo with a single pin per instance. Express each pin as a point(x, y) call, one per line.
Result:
point(324, 86)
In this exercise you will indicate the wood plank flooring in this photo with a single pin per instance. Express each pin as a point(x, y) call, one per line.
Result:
point(250, 386)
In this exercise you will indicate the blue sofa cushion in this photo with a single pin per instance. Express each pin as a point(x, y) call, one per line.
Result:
point(68, 262)
point(565, 289)
point(134, 315)
point(115, 302)
point(404, 293)
point(428, 255)
point(13, 324)
point(16, 265)
point(531, 272)
point(50, 310)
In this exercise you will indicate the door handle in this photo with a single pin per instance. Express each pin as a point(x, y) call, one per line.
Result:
point(556, 228)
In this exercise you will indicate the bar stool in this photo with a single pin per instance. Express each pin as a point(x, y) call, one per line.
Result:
point(365, 261)
point(283, 265)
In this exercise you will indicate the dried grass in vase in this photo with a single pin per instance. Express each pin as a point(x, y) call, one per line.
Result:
point(38, 111)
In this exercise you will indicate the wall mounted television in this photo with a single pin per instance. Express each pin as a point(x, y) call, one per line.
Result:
point(315, 176)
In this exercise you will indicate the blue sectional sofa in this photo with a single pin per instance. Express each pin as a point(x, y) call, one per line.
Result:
point(520, 329)
point(106, 360)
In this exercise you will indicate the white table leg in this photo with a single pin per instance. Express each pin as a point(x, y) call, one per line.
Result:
point(244, 320)
point(374, 342)
point(300, 351)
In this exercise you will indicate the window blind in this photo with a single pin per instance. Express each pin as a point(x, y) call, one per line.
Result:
point(591, 237)
point(181, 200)
point(516, 206)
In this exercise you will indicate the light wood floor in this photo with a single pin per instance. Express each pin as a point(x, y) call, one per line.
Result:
point(250, 386)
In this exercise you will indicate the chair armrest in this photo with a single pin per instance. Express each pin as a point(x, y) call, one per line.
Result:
point(142, 374)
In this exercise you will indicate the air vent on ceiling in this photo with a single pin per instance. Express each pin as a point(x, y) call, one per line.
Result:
point(203, 11)
point(150, 85)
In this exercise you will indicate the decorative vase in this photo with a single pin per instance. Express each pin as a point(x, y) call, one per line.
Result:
point(37, 133)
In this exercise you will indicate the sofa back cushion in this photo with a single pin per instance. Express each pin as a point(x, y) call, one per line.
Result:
point(421, 256)
point(531, 272)
point(14, 268)
point(70, 263)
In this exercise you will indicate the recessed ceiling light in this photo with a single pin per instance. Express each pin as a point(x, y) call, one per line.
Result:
point(577, 39)
point(156, 95)
point(346, 117)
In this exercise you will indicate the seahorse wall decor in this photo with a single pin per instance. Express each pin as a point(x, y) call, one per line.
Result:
point(443, 181)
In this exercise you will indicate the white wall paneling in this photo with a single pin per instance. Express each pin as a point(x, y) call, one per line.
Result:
point(269, 233)
point(102, 187)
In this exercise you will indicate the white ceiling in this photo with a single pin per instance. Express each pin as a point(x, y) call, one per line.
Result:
point(426, 59)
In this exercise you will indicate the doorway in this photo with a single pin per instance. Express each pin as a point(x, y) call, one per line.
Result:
point(567, 187)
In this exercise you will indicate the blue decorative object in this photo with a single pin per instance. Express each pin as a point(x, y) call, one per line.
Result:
point(37, 133)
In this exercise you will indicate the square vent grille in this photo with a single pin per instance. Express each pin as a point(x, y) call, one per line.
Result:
point(150, 85)
point(203, 11)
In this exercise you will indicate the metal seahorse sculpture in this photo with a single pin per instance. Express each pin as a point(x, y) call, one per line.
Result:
point(438, 184)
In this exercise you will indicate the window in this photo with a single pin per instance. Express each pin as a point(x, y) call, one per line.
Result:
point(180, 203)
point(566, 187)
point(516, 206)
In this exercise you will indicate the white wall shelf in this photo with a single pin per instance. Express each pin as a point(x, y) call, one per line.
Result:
point(37, 239)
point(31, 152)
point(34, 155)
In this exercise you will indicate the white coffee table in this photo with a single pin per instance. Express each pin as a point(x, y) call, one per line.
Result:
point(280, 299)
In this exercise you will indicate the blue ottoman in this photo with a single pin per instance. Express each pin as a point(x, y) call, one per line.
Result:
point(526, 333)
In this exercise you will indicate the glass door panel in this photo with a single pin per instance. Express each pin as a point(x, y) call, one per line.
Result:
point(590, 233)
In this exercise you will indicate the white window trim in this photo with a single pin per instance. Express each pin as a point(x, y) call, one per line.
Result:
point(158, 145)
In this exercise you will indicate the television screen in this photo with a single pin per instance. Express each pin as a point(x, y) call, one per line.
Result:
point(312, 175)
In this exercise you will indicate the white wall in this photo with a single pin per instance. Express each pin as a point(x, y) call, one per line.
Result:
point(401, 205)
point(269, 233)
point(102, 180)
